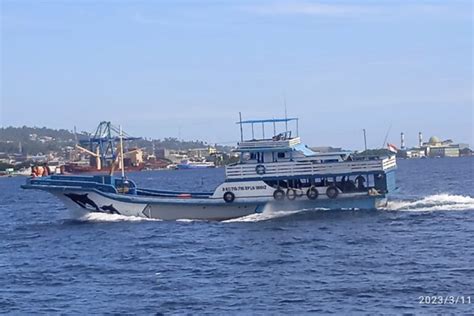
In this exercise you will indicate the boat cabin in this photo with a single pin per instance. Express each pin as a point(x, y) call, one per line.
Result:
point(281, 147)
point(283, 161)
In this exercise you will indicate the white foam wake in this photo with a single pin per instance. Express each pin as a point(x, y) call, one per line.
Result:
point(264, 216)
point(104, 217)
point(269, 212)
point(437, 202)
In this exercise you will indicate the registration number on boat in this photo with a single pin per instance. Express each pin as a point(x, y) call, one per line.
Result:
point(245, 188)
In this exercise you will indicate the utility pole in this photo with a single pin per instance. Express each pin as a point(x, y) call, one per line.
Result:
point(365, 139)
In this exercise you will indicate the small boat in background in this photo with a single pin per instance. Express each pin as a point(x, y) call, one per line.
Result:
point(189, 164)
point(279, 171)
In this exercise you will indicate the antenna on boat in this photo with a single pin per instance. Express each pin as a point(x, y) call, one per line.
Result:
point(386, 135)
point(121, 152)
point(241, 130)
point(286, 115)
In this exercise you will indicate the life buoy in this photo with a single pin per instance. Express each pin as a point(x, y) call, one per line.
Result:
point(229, 197)
point(312, 193)
point(278, 194)
point(291, 194)
point(260, 169)
point(332, 192)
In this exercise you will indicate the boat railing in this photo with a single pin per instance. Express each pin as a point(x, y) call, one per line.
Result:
point(297, 168)
point(69, 182)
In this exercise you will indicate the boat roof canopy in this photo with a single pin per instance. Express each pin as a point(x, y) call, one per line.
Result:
point(286, 133)
point(268, 121)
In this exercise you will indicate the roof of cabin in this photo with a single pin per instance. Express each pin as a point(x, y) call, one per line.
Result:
point(304, 149)
point(268, 120)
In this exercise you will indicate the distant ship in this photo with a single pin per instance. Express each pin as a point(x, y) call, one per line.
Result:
point(187, 164)
point(78, 167)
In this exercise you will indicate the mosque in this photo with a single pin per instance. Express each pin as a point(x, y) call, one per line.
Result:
point(433, 148)
point(438, 148)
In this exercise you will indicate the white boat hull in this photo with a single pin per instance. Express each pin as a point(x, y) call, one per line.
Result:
point(203, 209)
point(165, 210)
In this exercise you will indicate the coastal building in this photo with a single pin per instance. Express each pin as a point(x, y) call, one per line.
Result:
point(437, 148)
point(162, 153)
point(411, 153)
point(434, 147)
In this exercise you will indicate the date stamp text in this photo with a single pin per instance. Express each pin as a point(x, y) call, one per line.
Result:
point(444, 299)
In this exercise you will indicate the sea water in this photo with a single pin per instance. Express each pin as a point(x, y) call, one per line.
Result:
point(294, 262)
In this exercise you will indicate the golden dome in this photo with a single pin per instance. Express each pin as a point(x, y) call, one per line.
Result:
point(434, 140)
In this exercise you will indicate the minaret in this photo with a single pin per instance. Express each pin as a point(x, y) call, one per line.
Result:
point(402, 140)
point(420, 139)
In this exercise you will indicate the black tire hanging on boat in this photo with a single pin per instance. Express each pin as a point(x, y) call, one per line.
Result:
point(260, 169)
point(229, 197)
point(312, 193)
point(278, 194)
point(291, 194)
point(332, 192)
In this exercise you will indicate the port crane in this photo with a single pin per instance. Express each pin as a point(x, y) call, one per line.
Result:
point(103, 143)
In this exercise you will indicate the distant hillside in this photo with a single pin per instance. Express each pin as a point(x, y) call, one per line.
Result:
point(35, 140)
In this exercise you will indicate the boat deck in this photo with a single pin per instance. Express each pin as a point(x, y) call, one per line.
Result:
point(106, 184)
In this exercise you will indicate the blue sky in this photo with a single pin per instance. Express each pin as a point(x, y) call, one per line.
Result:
point(169, 68)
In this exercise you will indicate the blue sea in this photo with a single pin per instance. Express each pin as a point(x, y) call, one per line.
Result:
point(299, 262)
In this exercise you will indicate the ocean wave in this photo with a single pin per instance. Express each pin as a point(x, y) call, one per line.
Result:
point(437, 202)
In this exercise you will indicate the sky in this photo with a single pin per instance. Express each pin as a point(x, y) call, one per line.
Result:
point(187, 68)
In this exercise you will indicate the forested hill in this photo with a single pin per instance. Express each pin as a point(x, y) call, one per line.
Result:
point(24, 133)
point(35, 140)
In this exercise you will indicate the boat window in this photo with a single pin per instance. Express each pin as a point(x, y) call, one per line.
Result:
point(253, 156)
point(281, 155)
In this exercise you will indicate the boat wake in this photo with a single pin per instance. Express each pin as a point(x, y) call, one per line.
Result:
point(269, 212)
point(264, 216)
point(437, 202)
point(104, 217)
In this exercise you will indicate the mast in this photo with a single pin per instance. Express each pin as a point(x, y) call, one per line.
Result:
point(121, 151)
point(365, 139)
point(241, 130)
